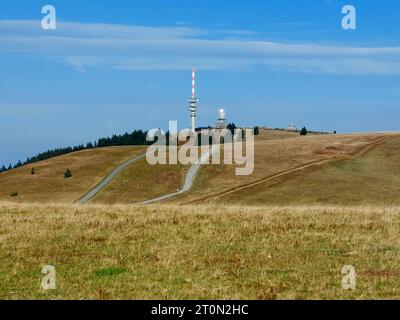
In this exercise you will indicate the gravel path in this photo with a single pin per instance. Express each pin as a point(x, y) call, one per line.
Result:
point(190, 176)
point(88, 196)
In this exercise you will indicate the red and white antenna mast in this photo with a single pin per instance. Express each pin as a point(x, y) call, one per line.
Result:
point(193, 101)
point(193, 83)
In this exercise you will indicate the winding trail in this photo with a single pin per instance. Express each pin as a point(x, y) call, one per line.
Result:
point(192, 173)
point(89, 195)
point(190, 176)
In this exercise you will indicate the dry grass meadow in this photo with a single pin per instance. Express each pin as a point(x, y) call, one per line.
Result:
point(141, 182)
point(277, 152)
point(369, 177)
point(198, 252)
point(313, 205)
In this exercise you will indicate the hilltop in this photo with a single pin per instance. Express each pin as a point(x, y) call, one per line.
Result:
point(288, 169)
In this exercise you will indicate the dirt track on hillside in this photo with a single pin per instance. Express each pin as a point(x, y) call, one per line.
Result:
point(357, 152)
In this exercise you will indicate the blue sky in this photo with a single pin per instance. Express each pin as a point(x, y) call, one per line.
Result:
point(113, 66)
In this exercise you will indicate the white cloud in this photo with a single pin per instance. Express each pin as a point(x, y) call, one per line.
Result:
point(84, 46)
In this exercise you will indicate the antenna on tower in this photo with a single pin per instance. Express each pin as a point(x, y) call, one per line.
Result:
point(193, 101)
point(193, 83)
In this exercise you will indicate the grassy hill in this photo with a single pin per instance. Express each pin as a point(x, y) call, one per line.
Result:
point(142, 181)
point(275, 155)
point(369, 178)
point(138, 182)
point(48, 183)
point(276, 152)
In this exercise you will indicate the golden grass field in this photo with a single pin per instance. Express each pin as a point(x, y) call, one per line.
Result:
point(198, 252)
point(312, 205)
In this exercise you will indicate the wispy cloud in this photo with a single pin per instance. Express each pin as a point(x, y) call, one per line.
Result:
point(84, 46)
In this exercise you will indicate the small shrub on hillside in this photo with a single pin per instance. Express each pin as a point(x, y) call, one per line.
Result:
point(67, 173)
point(303, 132)
point(14, 194)
point(33, 171)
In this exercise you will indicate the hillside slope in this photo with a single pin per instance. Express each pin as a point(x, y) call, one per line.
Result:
point(142, 181)
point(48, 183)
point(275, 152)
point(371, 178)
point(273, 156)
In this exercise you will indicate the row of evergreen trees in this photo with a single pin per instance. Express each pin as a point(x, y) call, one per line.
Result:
point(137, 137)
